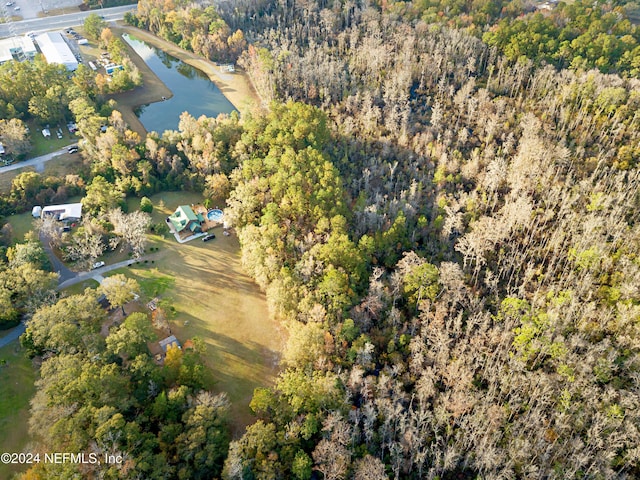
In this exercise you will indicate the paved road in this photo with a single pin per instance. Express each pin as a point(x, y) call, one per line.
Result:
point(39, 25)
point(59, 22)
point(57, 265)
point(12, 335)
point(37, 162)
point(77, 278)
point(98, 272)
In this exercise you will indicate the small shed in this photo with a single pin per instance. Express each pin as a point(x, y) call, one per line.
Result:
point(36, 211)
point(169, 341)
point(46, 133)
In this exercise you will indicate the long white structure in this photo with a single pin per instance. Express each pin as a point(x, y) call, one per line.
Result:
point(55, 50)
point(14, 45)
point(69, 211)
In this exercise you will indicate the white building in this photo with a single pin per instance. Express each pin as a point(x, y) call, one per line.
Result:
point(55, 50)
point(14, 46)
point(69, 211)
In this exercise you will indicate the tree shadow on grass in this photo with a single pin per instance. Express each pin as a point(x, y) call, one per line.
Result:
point(238, 367)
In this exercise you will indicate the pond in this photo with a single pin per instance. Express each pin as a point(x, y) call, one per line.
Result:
point(193, 92)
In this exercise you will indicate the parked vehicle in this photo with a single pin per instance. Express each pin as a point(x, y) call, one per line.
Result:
point(206, 238)
point(97, 265)
point(72, 149)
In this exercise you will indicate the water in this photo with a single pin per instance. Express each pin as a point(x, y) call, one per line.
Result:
point(193, 92)
point(215, 215)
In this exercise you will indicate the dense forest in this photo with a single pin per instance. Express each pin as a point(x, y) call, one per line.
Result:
point(447, 226)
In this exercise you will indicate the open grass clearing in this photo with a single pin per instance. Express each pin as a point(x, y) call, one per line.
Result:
point(79, 288)
point(16, 389)
point(6, 178)
point(217, 301)
point(42, 145)
point(59, 166)
point(62, 165)
point(21, 224)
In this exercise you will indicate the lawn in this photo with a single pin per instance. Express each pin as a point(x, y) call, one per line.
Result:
point(218, 302)
point(57, 167)
point(214, 300)
point(6, 178)
point(79, 288)
point(62, 165)
point(21, 224)
point(16, 389)
point(42, 145)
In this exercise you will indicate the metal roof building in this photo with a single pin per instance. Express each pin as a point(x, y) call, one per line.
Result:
point(55, 50)
point(15, 45)
point(69, 211)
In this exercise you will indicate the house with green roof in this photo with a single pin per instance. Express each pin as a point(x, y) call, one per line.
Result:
point(185, 221)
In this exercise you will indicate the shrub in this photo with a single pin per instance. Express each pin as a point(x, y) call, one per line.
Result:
point(146, 205)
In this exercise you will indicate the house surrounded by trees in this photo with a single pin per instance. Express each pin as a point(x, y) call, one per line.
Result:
point(185, 221)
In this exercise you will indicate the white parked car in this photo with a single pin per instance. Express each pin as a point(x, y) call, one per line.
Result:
point(97, 265)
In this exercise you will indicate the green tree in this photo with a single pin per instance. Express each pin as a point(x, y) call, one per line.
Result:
point(70, 325)
point(130, 339)
point(25, 187)
point(146, 205)
point(28, 252)
point(93, 26)
point(119, 290)
point(101, 196)
point(421, 282)
point(302, 466)
point(202, 445)
point(14, 135)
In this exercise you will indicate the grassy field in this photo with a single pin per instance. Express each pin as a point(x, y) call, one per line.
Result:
point(65, 164)
point(214, 300)
point(79, 288)
point(42, 145)
point(7, 177)
point(218, 302)
point(16, 389)
point(56, 167)
point(21, 224)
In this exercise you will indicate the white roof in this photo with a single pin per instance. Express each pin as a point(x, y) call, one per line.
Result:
point(5, 53)
point(13, 44)
point(55, 49)
point(69, 210)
